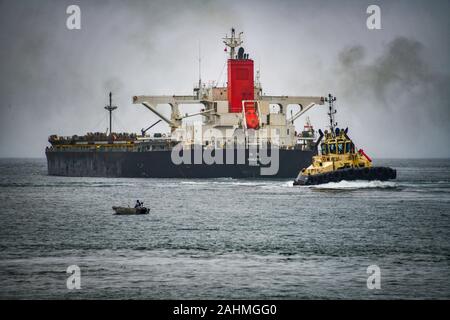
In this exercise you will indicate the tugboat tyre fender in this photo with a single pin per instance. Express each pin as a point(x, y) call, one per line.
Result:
point(365, 172)
point(317, 180)
point(351, 174)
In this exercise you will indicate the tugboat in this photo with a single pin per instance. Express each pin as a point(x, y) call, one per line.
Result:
point(338, 159)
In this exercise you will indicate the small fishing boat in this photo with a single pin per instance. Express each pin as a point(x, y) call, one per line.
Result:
point(130, 211)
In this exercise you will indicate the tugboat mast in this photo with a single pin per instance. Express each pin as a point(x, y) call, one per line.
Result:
point(332, 111)
point(110, 108)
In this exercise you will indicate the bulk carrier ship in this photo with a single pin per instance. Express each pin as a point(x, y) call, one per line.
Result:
point(237, 136)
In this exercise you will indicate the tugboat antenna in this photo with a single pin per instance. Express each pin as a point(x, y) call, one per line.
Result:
point(332, 111)
point(110, 108)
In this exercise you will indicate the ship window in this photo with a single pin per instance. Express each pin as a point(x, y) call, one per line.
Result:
point(340, 148)
point(332, 148)
point(347, 147)
point(324, 148)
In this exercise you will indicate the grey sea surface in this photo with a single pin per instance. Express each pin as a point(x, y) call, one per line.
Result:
point(225, 238)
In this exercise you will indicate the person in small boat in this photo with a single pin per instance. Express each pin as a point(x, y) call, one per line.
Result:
point(138, 204)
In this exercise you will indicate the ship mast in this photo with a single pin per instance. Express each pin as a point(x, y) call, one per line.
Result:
point(199, 67)
point(233, 42)
point(110, 108)
point(332, 111)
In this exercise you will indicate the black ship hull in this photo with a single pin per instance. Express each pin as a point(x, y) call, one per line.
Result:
point(158, 164)
point(349, 174)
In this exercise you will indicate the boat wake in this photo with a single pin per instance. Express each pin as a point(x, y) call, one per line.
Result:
point(357, 184)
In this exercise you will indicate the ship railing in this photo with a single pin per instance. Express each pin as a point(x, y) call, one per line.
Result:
point(305, 139)
point(94, 137)
point(90, 148)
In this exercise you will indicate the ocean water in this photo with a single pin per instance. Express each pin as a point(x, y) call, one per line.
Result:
point(225, 238)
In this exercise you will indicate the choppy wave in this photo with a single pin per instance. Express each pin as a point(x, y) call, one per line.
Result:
point(224, 238)
point(225, 183)
point(65, 184)
point(357, 184)
point(278, 185)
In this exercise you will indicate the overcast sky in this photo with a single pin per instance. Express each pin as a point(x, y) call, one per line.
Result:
point(392, 84)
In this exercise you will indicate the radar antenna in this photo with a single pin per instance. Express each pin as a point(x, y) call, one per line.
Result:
point(257, 79)
point(233, 42)
point(110, 108)
point(199, 66)
point(332, 111)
